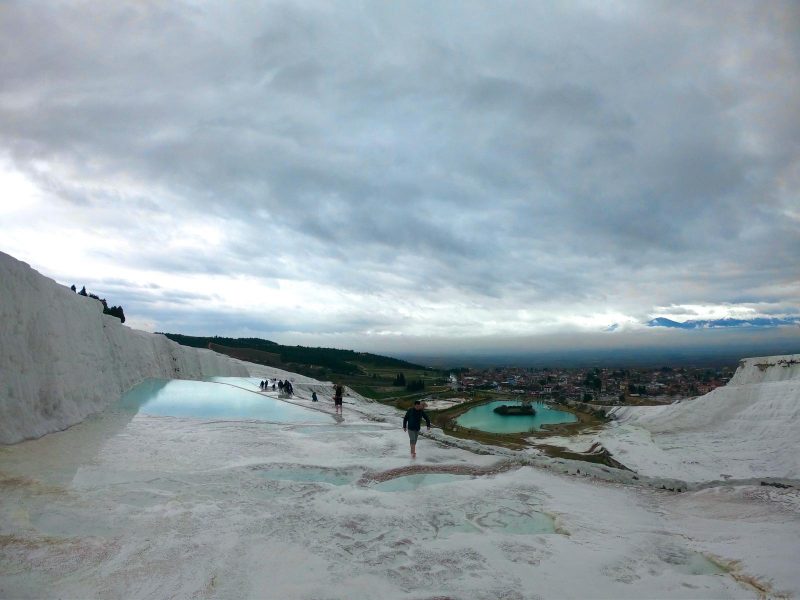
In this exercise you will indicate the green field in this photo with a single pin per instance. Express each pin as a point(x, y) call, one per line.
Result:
point(370, 375)
point(376, 382)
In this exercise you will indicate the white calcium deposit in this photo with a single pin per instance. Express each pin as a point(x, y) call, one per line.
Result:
point(745, 429)
point(62, 359)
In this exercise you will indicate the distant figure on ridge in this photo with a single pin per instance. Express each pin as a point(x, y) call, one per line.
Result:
point(412, 423)
point(337, 398)
point(313, 396)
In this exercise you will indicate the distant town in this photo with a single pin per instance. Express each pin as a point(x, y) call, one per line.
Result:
point(596, 385)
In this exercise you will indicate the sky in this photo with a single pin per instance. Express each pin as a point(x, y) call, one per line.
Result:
point(411, 177)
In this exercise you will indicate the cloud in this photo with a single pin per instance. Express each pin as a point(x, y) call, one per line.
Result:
point(455, 168)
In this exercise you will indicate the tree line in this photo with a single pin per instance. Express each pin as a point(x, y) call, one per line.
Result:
point(412, 386)
point(114, 311)
point(342, 362)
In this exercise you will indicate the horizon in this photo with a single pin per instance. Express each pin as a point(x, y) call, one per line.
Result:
point(606, 359)
point(577, 357)
point(521, 180)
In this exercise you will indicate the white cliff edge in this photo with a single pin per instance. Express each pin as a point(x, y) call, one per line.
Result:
point(747, 428)
point(62, 359)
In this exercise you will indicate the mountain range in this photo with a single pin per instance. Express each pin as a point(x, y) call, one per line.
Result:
point(727, 322)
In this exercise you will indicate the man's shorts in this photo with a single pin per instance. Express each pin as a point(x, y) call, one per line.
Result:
point(337, 401)
point(412, 435)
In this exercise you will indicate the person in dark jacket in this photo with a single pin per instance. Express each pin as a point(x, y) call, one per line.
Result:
point(337, 398)
point(412, 423)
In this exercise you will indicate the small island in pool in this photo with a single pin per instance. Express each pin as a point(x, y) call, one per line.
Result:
point(515, 410)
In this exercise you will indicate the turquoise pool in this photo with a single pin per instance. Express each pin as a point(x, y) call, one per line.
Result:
point(205, 399)
point(310, 475)
point(484, 418)
point(412, 482)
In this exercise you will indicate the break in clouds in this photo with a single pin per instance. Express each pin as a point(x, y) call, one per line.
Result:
point(340, 173)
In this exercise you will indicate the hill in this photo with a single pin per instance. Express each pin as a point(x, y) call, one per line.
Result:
point(318, 362)
point(746, 429)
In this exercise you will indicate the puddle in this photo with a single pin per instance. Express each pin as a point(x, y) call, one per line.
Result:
point(310, 475)
point(508, 520)
point(484, 418)
point(204, 399)
point(413, 482)
point(689, 562)
point(700, 565)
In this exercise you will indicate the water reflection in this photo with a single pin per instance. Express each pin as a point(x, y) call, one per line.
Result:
point(181, 398)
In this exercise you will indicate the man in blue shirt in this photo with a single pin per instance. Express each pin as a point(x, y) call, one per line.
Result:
point(412, 423)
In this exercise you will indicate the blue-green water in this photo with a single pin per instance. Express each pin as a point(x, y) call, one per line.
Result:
point(248, 383)
point(310, 475)
point(697, 564)
point(689, 562)
point(484, 418)
point(412, 482)
point(179, 398)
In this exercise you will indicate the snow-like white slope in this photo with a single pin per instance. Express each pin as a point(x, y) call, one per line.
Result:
point(134, 506)
point(62, 359)
point(748, 428)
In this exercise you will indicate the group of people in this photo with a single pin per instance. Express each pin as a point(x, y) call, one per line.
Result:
point(282, 386)
point(412, 421)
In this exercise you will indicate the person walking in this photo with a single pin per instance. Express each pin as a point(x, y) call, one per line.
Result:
point(338, 398)
point(412, 423)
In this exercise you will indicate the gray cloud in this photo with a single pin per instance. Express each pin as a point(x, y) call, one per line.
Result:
point(527, 155)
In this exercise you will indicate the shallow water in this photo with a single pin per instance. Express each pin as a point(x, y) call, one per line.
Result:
point(309, 475)
point(413, 482)
point(508, 520)
point(484, 418)
point(697, 564)
point(248, 383)
point(217, 399)
point(688, 561)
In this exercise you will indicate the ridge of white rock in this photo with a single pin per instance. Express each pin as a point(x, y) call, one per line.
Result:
point(62, 359)
point(747, 428)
